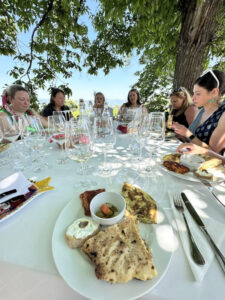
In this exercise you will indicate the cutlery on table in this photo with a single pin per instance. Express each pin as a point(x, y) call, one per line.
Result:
point(195, 253)
point(7, 193)
point(194, 214)
point(210, 188)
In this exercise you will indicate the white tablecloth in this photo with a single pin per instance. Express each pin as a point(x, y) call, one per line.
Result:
point(27, 269)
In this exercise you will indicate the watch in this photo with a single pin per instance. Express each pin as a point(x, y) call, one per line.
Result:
point(191, 137)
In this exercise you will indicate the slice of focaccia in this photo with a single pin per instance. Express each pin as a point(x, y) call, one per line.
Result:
point(139, 204)
point(119, 253)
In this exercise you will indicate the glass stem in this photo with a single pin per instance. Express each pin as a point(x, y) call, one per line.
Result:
point(82, 168)
point(104, 165)
point(140, 152)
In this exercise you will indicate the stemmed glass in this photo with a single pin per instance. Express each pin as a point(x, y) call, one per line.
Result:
point(81, 146)
point(156, 135)
point(141, 134)
point(104, 138)
point(59, 126)
point(38, 140)
point(10, 128)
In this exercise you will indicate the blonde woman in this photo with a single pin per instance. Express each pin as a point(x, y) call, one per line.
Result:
point(183, 109)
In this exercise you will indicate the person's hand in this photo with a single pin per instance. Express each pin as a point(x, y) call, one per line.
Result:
point(191, 148)
point(181, 130)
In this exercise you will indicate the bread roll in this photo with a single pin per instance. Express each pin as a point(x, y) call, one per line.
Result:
point(80, 231)
point(203, 174)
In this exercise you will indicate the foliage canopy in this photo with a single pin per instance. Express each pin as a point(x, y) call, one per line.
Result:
point(154, 29)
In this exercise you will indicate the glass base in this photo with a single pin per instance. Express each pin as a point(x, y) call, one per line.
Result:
point(127, 175)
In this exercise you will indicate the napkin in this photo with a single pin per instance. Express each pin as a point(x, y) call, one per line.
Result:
point(14, 181)
point(215, 229)
point(122, 128)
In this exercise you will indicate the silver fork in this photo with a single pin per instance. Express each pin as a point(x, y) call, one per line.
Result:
point(195, 253)
point(210, 188)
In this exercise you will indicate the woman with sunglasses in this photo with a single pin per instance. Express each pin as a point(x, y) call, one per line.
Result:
point(207, 130)
point(183, 110)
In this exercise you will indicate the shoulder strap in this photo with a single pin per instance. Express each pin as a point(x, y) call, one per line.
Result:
point(196, 121)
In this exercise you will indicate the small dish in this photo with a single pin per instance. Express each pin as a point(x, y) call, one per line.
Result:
point(108, 197)
point(192, 161)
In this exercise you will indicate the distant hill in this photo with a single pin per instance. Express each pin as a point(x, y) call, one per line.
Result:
point(111, 102)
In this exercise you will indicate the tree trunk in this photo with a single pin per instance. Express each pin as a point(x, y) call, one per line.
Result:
point(197, 31)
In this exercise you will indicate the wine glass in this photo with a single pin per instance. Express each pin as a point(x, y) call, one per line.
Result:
point(156, 136)
point(10, 128)
point(38, 140)
point(104, 138)
point(141, 134)
point(81, 146)
point(58, 136)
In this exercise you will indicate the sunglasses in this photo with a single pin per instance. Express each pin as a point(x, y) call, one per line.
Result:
point(180, 89)
point(213, 74)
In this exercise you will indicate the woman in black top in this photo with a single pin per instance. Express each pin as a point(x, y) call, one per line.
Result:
point(183, 109)
point(207, 130)
point(57, 101)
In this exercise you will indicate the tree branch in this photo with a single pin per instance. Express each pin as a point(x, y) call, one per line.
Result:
point(49, 8)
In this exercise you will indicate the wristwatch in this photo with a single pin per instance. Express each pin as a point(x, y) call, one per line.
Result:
point(191, 137)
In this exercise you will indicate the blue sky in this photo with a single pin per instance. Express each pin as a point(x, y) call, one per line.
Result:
point(114, 86)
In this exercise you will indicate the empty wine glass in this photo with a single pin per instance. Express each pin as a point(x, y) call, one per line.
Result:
point(10, 128)
point(58, 136)
point(81, 147)
point(104, 138)
point(156, 136)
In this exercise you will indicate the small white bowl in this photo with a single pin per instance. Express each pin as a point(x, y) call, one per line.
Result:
point(192, 161)
point(108, 197)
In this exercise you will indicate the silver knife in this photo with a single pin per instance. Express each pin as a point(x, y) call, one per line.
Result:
point(7, 193)
point(194, 214)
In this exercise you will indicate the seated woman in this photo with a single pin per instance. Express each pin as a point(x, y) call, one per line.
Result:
point(16, 102)
point(207, 130)
point(183, 109)
point(133, 103)
point(99, 104)
point(57, 100)
point(195, 149)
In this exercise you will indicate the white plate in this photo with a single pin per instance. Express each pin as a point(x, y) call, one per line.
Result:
point(79, 272)
point(220, 176)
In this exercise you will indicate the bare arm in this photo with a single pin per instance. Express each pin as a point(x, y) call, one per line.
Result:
point(217, 139)
point(195, 149)
point(190, 113)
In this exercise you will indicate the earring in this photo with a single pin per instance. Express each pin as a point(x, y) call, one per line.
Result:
point(211, 101)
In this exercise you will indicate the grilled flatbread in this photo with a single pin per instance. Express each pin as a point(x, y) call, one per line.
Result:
point(172, 157)
point(119, 253)
point(139, 204)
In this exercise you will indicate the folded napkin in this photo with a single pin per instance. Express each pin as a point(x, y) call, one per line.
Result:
point(29, 190)
point(14, 181)
point(122, 128)
point(215, 229)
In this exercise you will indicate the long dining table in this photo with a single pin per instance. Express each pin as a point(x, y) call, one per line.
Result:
point(27, 266)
